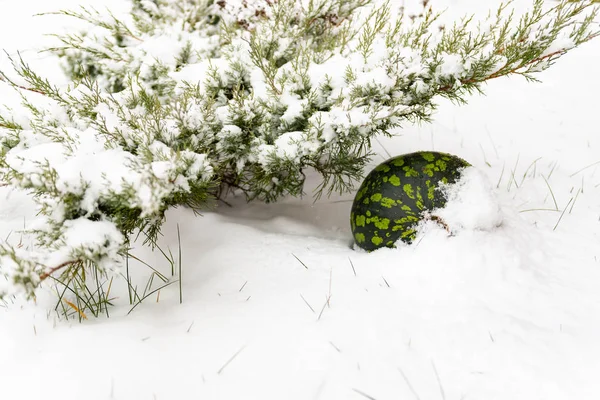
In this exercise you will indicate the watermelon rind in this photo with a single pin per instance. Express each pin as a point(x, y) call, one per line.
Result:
point(398, 193)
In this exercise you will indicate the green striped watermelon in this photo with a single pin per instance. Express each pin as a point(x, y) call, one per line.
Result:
point(395, 195)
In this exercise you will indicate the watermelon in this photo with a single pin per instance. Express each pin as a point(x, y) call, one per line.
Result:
point(397, 194)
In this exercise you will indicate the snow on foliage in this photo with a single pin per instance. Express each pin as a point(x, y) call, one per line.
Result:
point(184, 101)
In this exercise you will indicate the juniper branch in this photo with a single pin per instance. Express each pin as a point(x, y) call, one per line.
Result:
point(249, 100)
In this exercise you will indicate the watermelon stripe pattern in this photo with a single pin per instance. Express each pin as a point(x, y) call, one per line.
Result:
point(394, 196)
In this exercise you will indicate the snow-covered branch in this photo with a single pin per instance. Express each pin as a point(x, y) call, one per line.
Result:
point(185, 99)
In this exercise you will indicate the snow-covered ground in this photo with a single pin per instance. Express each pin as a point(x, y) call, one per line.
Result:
point(276, 305)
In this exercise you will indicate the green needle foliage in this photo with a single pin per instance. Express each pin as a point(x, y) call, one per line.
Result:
point(181, 102)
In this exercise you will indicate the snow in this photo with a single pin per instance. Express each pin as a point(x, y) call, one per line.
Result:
point(452, 65)
point(295, 106)
point(562, 42)
point(93, 163)
point(287, 145)
point(377, 77)
point(472, 203)
point(195, 73)
point(276, 305)
point(100, 238)
point(324, 72)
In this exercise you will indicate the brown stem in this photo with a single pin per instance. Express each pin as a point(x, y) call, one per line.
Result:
point(46, 275)
point(503, 72)
point(3, 79)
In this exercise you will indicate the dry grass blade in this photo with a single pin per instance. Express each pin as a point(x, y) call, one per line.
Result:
point(513, 175)
point(309, 306)
point(539, 209)
point(77, 309)
point(501, 176)
point(551, 192)
point(352, 265)
point(335, 347)
point(584, 168)
point(363, 394)
point(324, 307)
point(237, 353)
point(179, 265)
point(300, 261)
point(575, 200)
point(149, 294)
point(190, 327)
point(409, 384)
point(439, 381)
point(532, 165)
point(386, 282)
point(562, 214)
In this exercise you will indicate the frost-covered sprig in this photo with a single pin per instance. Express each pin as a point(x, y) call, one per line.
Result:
point(296, 85)
point(289, 98)
point(95, 181)
point(158, 37)
point(169, 107)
